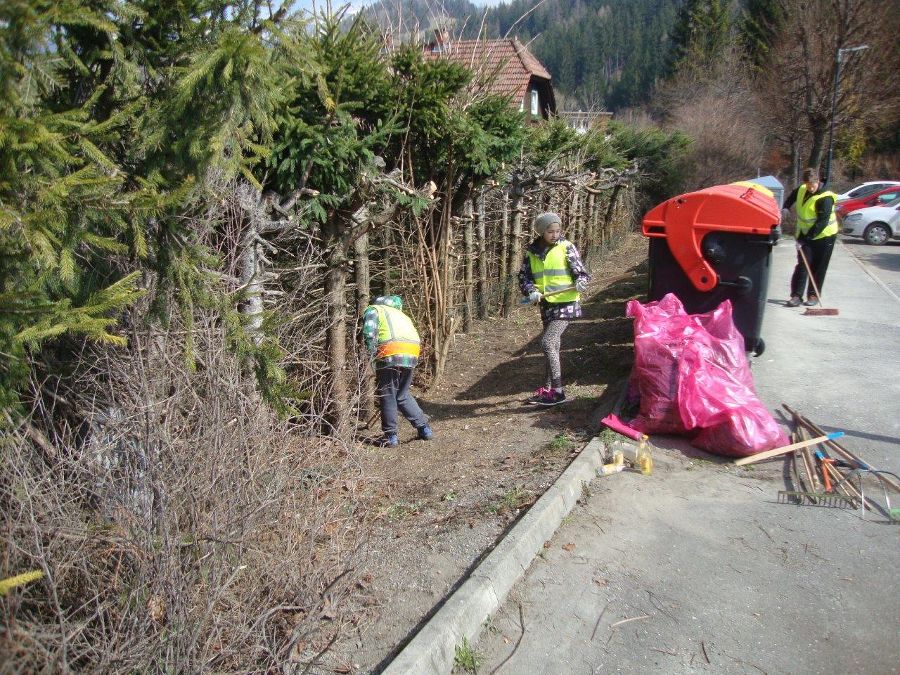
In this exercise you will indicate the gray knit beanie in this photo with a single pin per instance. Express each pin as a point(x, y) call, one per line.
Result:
point(545, 220)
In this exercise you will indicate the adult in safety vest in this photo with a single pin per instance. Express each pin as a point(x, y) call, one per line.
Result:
point(552, 276)
point(393, 345)
point(817, 229)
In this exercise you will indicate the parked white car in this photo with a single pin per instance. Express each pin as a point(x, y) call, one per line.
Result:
point(875, 224)
point(866, 189)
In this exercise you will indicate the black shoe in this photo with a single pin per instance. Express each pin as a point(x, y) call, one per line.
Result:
point(795, 301)
point(811, 301)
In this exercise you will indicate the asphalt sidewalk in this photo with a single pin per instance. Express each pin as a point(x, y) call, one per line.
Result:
point(697, 568)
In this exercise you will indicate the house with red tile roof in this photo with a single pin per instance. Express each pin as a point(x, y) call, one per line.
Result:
point(503, 67)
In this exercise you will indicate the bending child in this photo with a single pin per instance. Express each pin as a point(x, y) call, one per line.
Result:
point(393, 344)
point(552, 276)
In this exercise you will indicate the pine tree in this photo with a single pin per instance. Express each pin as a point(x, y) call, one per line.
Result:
point(761, 21)
point(63, 201)
point(700, 33)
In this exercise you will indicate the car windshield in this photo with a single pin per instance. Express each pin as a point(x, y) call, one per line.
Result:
point(864, 190)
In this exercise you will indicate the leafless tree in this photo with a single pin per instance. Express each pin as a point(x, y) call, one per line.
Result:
point(803, 62)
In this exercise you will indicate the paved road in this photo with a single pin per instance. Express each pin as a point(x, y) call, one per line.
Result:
point(881, 261)
point(697, 568)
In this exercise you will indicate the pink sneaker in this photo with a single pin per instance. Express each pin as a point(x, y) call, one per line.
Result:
point(547, 397)
point(539, 395)
point(552, 397)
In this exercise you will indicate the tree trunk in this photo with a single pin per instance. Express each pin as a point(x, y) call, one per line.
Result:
point(444, 274)
point(249, 262)
point(481, 236)
point(577, 225)
point(469, 280)
point(388, 234)
point(336, 334)
point(589, 225)
point(363, 295)
point(515, 253)
point(610, 209)
point(819, 133)
point(504, 252)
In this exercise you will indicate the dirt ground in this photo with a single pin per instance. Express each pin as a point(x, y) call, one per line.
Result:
point(443, 504)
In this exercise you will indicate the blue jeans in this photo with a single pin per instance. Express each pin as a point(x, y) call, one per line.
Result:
point(392, 389)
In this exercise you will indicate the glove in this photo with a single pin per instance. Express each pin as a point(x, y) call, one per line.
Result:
point(580, 284)
point(534, 297)
point(798, 244)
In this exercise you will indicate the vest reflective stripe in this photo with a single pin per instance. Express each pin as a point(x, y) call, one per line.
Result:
point(806, 213)
point(396, 333)
point(552, 273)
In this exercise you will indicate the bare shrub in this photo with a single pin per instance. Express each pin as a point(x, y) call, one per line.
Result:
point(180, 524)
point(720, 111)
point(185, 528)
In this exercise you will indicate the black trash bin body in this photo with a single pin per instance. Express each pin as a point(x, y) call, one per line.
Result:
point(714, 245)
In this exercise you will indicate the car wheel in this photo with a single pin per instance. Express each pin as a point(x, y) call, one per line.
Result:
point(760, 347)
point(877, 234)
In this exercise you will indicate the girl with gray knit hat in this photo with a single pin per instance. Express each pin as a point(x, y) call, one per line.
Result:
point(552, 276)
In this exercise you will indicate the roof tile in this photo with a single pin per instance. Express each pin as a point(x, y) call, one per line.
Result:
point(503, 66)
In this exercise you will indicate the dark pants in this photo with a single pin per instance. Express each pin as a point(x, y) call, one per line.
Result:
point(392, 389)
point(818, 255)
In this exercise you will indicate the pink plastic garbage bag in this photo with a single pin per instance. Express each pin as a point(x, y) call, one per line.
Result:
point(693, 376)
point(658, 338)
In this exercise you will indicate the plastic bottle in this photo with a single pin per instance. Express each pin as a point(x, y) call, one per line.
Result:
point(643, 460)
point(618, 458)
point(608, 469)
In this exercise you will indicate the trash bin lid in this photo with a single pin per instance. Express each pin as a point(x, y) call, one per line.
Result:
point(744, 208)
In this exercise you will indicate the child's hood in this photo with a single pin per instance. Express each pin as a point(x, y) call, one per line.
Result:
point(389, 301)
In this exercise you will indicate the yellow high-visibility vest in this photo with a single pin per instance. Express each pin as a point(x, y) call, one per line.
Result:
point(552, 273)
point(806, 214)
point(396, 333)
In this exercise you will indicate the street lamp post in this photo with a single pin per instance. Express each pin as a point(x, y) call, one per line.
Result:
point(837, 79)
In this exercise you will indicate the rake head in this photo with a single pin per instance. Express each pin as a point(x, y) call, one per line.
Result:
point(829, 499)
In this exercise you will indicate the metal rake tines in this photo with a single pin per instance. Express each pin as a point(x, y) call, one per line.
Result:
point(829, 499)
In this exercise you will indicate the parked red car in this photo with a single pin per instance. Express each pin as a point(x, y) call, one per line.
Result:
point(879, 198)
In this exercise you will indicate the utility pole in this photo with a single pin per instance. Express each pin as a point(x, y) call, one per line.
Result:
point(837, 79)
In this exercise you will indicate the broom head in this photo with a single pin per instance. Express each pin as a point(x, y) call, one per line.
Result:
point(820, 311)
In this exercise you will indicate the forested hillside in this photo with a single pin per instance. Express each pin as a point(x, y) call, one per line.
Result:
point(601, 53)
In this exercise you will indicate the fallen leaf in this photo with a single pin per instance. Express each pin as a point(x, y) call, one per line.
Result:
point(547, 544)
point(568, 547)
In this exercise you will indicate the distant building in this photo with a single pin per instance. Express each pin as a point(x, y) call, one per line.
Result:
point(503, 67)
point(583, 121)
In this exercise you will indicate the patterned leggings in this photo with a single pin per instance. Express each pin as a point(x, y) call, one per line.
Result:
point(550, 343)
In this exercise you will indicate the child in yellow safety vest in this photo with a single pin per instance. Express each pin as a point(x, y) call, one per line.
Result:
point(552, 276)
point(393, 345)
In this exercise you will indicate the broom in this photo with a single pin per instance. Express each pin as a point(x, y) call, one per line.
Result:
point(811, 311)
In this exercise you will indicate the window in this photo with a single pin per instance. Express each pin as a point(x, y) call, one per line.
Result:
point(864, 190)
point(535, 111)
point(887, 196)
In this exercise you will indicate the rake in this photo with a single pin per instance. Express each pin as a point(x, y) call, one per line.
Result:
point(829, 499)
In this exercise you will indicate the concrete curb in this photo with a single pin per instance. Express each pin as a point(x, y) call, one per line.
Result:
point(433, 648)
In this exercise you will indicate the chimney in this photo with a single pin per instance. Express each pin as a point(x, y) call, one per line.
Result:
point(441, 40)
